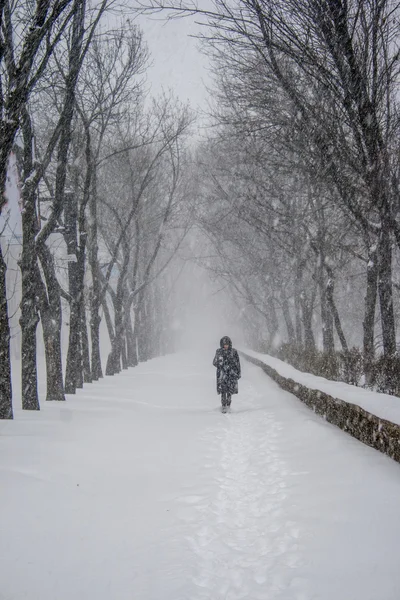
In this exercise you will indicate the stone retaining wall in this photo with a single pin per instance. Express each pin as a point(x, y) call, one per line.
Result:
point(375, 432)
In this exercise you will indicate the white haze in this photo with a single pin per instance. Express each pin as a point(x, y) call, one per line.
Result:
point(202, 306)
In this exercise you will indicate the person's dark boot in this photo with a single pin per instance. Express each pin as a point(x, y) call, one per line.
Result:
point(223, 401)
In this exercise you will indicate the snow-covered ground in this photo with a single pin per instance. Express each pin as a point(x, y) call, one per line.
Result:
point(138, 488)
point(383, 406)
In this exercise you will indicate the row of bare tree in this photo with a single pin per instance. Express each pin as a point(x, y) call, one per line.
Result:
point(102, 185)
point(300, 182)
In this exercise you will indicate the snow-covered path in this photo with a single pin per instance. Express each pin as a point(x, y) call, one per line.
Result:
point(139, 488)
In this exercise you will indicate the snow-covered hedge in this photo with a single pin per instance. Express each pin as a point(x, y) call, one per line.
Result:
point(382, 373)
point(381, 434)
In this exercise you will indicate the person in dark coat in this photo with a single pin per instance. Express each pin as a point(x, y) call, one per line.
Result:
point(228, 371)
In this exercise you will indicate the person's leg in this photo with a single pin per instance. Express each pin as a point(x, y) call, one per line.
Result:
point(228, 399)
point(223, 398)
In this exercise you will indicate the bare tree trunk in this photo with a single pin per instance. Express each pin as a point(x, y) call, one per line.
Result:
point(149, 322)
point(370, 308)
point(6, 411)
point(74, 376)
point(108, 319)
point(51, 317)
point(95, 300)
point(385, 291)
point(331, 302)
point(132, 360)
point(326, 314)
point(124, 356)
point(95, 320)
point(141, 329)
point(87, 373)
point(52, 344)
point(159, 314)
point(73, 372)
point(82, 373)
point(298, 302)
point(288, 319)
point(28, 264)
point(29, 382)
point(309, 340)
point(114, 358)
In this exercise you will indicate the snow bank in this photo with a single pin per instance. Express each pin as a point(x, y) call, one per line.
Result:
point(371, 417)
point(383, 406)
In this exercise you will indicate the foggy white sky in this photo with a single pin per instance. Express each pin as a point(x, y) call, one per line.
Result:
point(177, 62)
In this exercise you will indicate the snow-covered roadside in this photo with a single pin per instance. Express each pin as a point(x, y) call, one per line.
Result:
point(139, 487)
point(383, 406)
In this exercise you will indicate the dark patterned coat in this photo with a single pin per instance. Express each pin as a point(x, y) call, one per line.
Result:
point(228, 368)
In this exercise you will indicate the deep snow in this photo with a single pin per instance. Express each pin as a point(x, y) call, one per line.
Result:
point(138, 488)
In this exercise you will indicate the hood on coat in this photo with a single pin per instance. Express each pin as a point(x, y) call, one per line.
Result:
point(225, 340)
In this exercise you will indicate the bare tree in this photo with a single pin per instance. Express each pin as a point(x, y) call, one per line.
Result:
point(108, 92)
point(152, 175)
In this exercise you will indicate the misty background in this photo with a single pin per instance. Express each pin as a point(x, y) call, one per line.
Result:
point(174, 173)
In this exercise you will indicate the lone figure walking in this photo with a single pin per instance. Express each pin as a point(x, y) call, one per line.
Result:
point(228, 371)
